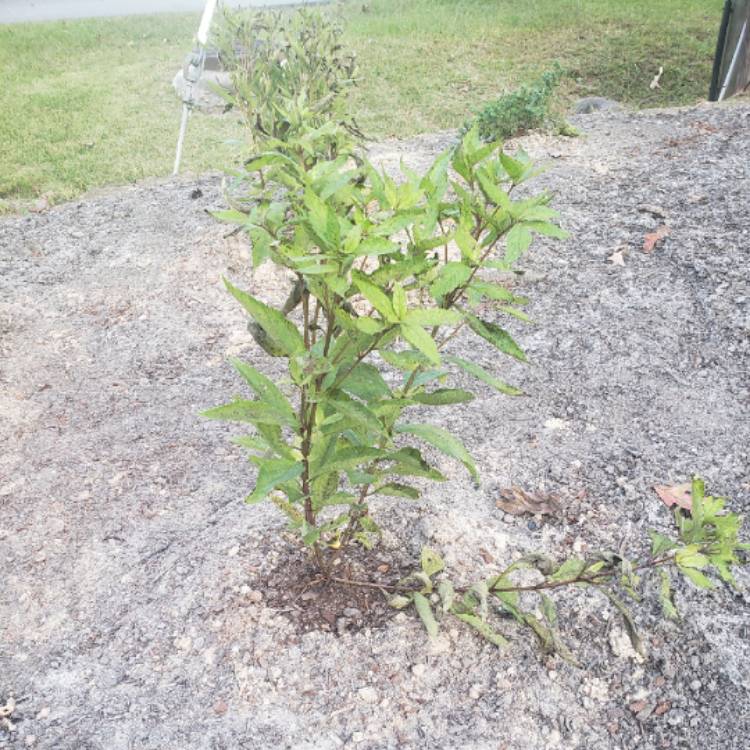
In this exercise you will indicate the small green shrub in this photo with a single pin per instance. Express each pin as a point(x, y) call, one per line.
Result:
point(524, 109)
point(387, 273)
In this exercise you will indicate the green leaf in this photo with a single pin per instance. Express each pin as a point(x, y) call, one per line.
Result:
point(368, 326)
point(515, 168)
point(420, 339)
point(467, 244)
point(251, 442)
point(399, 301)
point(424, 610)
point(266, 389)
point(433, 316)
point(699, 579)
point(547, 228)
point(451, 276)
point(443, 397)
point(375, 246)
point(357, 412)
point(394, 489)
point(366, 382)
point(443, 441)
point(496, 292)
point(496, 336)
point(406, 360)
point(447, 595)
point(231, 216)
point(549, 610)
point(492, 191)
point(431, 562)
point(274, 472)
point(399, 602)
point(254, 412)
point(517, 242)
point(698, 492)
point(660, 544)
point(322, 221)
point(665, 597)
point(570, 569)
point(481, 374)
point(375, 296)
point(281, 331)
point(347, 458)
point(485, 630)
point(409, 462)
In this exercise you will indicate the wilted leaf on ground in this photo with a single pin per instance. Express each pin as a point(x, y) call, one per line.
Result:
point(517, 502)
point(676, 494)
point(652, 239)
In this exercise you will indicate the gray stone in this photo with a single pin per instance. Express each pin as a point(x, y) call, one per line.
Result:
point(591, 104)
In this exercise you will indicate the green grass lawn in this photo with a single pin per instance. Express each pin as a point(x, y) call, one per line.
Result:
point(89, 103)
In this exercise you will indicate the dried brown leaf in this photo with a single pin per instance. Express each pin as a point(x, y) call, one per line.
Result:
point(676, 494)
point(652, 239)
point(486, 556)
point(517, 502)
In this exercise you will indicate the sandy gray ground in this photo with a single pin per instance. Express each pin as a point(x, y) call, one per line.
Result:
point(128, 612)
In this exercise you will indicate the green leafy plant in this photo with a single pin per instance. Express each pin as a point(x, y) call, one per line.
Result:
point(387, 274)
point(289, 72)
point(519, 111)
point(706, 545)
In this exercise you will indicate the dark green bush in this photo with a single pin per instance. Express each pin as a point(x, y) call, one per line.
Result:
point(524, 109)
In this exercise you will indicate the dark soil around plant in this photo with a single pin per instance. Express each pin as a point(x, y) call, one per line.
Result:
point(144, 606)
point(312, 601)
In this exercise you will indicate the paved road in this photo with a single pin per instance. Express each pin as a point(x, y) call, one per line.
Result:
point(14, 11)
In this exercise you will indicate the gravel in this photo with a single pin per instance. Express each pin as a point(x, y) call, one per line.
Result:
point(133, 612)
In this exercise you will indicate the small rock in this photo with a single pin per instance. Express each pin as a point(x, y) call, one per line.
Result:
point(358, 737)
point(637, 706)
point(255, 597)
point(352, 612)
point(368, 694)
point(555, 424)
point(621, 646)
point(220, 708)
point(591, 104)
point(662, 708)
point(475, 692)
point(696, 685)
point(30, 740)
point(419, 670)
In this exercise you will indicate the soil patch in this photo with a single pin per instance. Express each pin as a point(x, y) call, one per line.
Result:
point(297, 589)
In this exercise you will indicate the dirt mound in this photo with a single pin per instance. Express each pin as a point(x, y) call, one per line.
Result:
point(132, 607)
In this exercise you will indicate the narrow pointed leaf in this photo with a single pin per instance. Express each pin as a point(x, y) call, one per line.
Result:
point(281, 331)
point(443, 441)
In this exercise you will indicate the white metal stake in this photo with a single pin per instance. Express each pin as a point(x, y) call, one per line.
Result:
point(192, 74)
point(733, 64)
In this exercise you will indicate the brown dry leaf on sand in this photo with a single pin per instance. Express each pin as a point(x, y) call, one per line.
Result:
point(676, 494)
point(517, 502)
point(652, 239)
